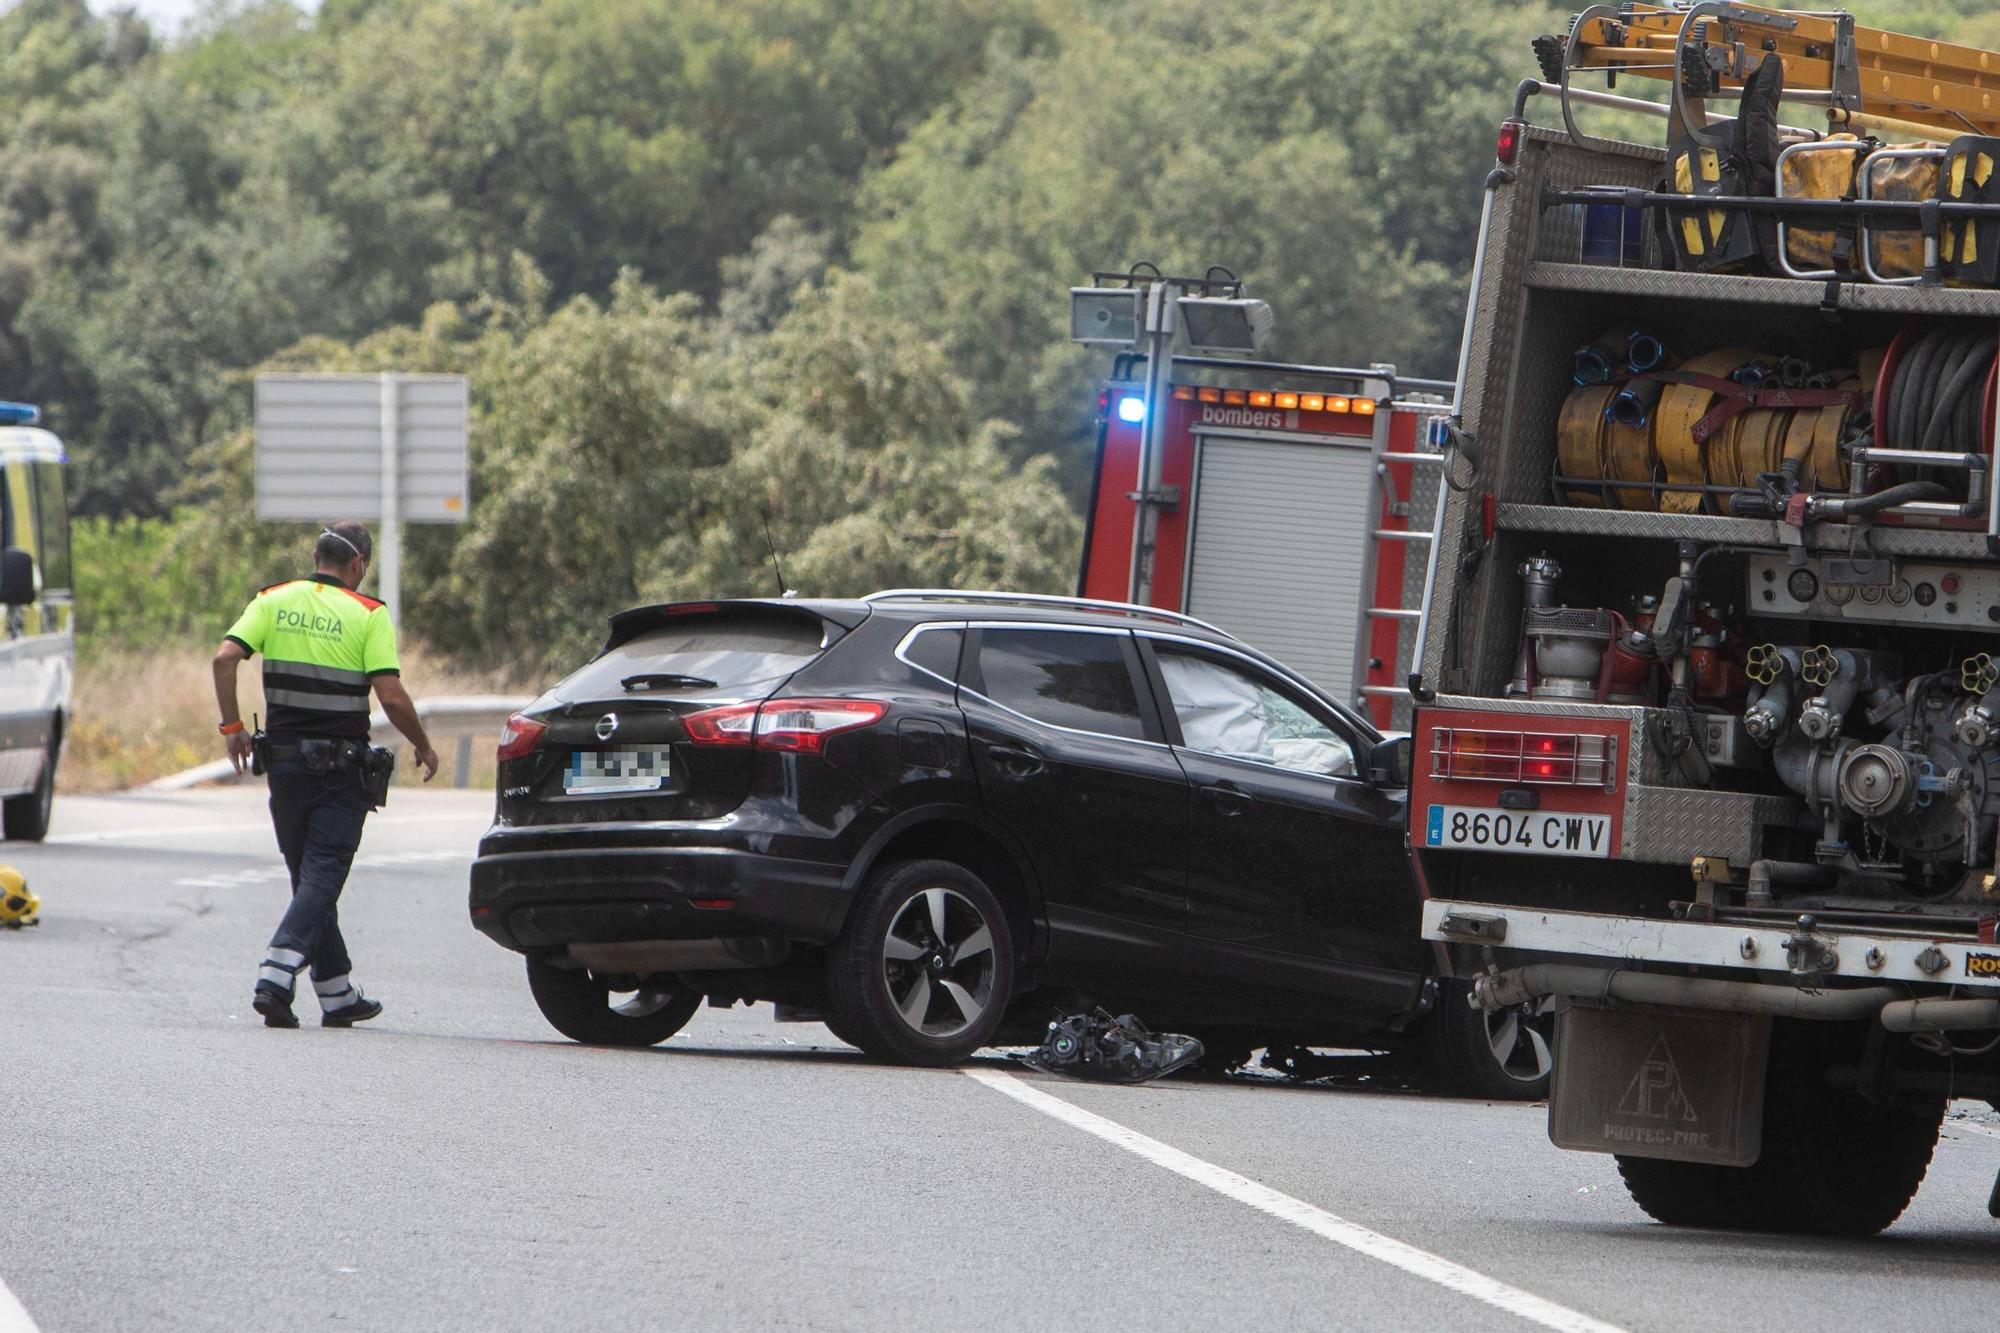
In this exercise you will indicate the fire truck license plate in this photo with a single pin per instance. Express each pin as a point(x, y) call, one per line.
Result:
point(1538, 832)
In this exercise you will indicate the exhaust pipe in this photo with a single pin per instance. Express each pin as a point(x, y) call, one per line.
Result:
point(1504, 990)
point(1940, 1015)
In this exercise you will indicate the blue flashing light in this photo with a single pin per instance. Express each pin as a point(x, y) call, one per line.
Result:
point(1132, 409)
point(20, 414)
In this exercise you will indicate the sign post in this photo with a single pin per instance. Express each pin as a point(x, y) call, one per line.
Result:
point(389, 549)
point(388, 448)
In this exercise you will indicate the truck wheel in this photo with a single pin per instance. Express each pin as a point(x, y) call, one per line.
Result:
point(1832, 1164)
point(26, 818)
point(1689, 1194)
point(923, 972)
point(584, 1009)
point(1504, 1056)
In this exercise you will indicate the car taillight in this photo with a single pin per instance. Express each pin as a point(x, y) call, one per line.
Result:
point(1507, 146)
point(803, 725)
point(520, 735)
point(1551, 758)
point(722, 726)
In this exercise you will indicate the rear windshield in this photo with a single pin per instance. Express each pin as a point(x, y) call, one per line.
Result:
point(712, 652)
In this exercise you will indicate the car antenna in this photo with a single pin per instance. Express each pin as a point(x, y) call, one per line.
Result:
point(772, 542)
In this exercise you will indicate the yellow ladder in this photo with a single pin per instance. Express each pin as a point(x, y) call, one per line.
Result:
point(1866, 78)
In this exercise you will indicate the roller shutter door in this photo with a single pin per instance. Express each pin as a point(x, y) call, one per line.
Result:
point(1280, 550)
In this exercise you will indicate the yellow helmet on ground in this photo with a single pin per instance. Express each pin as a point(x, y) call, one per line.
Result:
point(18, 904)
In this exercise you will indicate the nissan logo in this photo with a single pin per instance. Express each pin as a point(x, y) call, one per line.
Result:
point(607, 726)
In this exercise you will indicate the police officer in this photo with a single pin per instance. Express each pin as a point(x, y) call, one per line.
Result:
point(325, 646)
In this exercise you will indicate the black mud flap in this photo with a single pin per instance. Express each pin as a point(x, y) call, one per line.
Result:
point(1654, 1083)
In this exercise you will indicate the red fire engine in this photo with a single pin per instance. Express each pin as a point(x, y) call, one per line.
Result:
point(1290, 499)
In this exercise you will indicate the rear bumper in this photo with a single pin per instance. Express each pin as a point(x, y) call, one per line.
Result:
point(539, 900)
point(1784, 955)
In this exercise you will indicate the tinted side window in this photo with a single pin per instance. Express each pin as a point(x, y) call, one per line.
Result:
point(936, 651)
point(1080, 681)
point(52, 517)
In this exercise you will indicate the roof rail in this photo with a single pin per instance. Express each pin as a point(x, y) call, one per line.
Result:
point(1042, 599)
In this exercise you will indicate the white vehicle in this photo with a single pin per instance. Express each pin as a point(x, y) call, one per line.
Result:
point(38, 652)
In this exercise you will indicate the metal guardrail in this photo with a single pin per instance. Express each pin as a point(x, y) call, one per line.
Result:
point(465, 718)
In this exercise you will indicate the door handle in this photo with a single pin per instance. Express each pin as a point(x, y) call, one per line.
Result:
point(1227, 797)
point(1016, 762)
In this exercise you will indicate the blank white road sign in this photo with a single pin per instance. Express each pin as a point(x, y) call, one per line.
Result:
point(320, 446)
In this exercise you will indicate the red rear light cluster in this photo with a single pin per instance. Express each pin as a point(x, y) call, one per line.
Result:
point(722, 726)
point(801, 726)
point(1507, 146)
point(520, 735)
point(1558, 759)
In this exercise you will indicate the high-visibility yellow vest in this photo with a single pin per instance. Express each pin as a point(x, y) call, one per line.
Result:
point(322, 644)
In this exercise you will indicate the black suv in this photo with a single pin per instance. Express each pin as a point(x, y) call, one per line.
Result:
point(917, 813)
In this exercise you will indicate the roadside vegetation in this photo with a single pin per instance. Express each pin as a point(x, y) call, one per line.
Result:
point(717, 269)
point(146, 713)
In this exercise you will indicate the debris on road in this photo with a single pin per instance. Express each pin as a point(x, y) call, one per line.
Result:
point(18, 904)
point(1105, 1049)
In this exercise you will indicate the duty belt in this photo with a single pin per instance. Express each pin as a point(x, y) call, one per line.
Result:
point(322, 753)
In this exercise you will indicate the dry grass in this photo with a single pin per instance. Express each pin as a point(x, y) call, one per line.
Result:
point(144, 715)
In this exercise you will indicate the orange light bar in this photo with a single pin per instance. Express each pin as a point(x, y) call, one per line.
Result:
point(1337, 404)
point(1288, 401)
point(1312, 402)
point(1235, 397)
point(1210, 395)
point(1260, 398)
point(1183, 394)
point(1364, 407)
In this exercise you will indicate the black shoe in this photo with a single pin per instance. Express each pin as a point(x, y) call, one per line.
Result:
point(276, 1008)
point(348, 1015)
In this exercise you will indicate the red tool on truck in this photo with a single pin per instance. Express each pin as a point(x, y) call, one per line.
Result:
point(1707, 751)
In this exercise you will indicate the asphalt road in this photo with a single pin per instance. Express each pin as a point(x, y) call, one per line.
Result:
point(168, 1163)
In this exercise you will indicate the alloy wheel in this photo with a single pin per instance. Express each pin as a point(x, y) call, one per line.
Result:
point(938, 962)
point(1519, 1038)
point(643, 1003)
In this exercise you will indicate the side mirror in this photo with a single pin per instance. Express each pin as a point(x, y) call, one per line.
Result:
point(17, 577)
point(1389, 762)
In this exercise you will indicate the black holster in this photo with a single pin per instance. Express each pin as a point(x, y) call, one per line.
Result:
point(378, 770)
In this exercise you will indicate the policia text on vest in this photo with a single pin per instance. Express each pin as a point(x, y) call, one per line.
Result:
point(326, 647)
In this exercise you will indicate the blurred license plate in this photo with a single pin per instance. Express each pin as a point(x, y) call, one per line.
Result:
point(627, 768)
point(1543, 833)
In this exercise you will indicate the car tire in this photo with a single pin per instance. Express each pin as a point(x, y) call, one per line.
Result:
point(1508, 1056)
point(1832, 1163)
point(585, 1009)
point(924, 969)
point(25, 818)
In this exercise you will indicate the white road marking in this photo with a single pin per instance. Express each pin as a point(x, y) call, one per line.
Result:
point(275, 874)
point(13, 1315)
point(209, 830)
point(1352, 1235)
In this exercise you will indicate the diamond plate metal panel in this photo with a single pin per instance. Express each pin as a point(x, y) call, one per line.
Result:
point(1677, 824)
point(1837, 538)
point(1553, 275)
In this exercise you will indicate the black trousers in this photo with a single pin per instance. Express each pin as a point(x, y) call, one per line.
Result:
point(318, 818)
